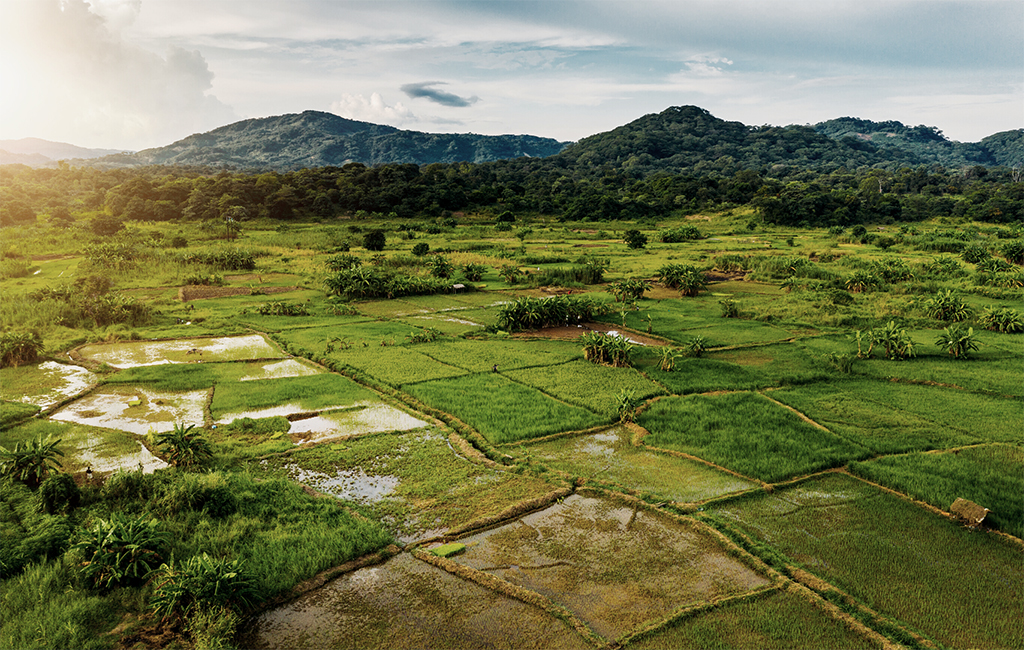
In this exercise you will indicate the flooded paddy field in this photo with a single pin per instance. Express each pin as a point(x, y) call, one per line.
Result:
point(46, 384)
point(613, 566)
point(129, 354)
point(368, 418)
point(932, 574)
point(609, 457)
point(407, 603)
point(135, 409)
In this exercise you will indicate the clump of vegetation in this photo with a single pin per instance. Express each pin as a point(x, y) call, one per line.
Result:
point(629, 290)
point(681, 234)
point(893, 339)
point(689, 280)
point(32, 461)
point(730, 308)
point(378, 282)
point(605, 348)
point(121, 550)
point(185, 446)
point(947, 306)
point(1003, 319)
point(626, 405)
point(473, 272)
point(957, 341)
point(558, 311)
point(19, 348)
point(635, 239)
point(278, 308)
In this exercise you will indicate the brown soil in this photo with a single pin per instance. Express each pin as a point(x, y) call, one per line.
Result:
point(724, 276)
point(200, 292)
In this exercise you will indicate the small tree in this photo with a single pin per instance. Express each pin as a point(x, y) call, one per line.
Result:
point(629, 290)
point(441, 267)
point(626, 404)
point(510, 273)
point(635, 239)
point(473, 272)
point(421, 249)
point(374, 240)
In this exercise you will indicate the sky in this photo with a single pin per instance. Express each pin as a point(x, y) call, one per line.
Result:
point(132, 74)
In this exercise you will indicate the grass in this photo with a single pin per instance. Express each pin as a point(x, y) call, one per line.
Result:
point(890, 417)
point(746, 433)
point(609, 458)
point(774, 620)
point(310, 393)
point(500, 409)
point(436, 490)
point(956, 586)
point(13, 412)
point(395, 365)
point(587, 384)
point(508, 354)
point(991, 475)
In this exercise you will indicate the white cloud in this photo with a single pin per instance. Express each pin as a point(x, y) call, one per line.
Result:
point(357, 107)
point(81, 81)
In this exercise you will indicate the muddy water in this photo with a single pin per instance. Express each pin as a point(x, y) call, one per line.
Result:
point(406, 603)
point(374, 418)
point(610, 456)
point(291, 408)
point(114, 408)
point(93, 454)
point(129, 354)
point(280, 370)
point(614, 567)
point(69, 380)
point(348, 484)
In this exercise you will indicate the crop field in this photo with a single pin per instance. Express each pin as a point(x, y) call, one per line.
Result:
point(746, 433)
point(501, 409)
point(750, 477)
point(947, 582)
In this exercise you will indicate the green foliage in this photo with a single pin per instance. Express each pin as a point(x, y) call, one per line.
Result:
point(121, 550)
point(278, 308)
point(947, 306)
point(1002, 319)
point(635, 239)
point(337, 263)
point(473, 272)
point(958, 341)
point(1013, 251)
point(59, 494)
point(975, 253)
point(863, 282)
point(201, 582)
point(223, 258)
point(605, 348)
point(421, 249)
point(681, 234)
point(696, 347)
point(19, 348)
point(32, 461)
point(893, 339)
point(626, 405)
point(374, 240)
point(510, 273)
point(629, 290)
point(378, 282)
point(689, 280)
point(730, 308)
point(185, 446)
point(440, 266)
point(841, 362)
point(557, 311)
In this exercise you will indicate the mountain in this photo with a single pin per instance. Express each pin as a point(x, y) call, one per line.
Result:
point(317, 139)
point(927, 143)
point(692, 139)
point(35, 152)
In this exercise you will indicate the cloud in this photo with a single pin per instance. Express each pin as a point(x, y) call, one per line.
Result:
point(424, 90)
point(80, 79)
point(357, 107)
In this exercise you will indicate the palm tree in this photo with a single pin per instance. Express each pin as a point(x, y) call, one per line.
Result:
point(184, 446)
point(32, 461)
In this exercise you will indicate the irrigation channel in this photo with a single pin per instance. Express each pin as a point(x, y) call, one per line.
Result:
point(528, 564)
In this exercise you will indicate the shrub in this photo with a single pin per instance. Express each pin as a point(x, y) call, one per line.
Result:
point(841, 362)
point(681, 234)
point(19, 348)
point(278, 308)
point(59, 494)
point(201, 582)
point(1003, 319)
point(120, 550)
point(629, 290)
point(974, 253)
point(532, 313)
point(342, 262)
point(441, 267)
point(730, 308)
point(30, 462)
point(374, 240)
point(421, 249)
point(510, 273)
point(862, 282)
point(1013, 251)
point(689, 280)
point(635, 239)
point(696, 347)
point(626, 404)
point(184, 446)
point(473, 272)
point(947, 306)
point(895, 340)
point(605, 348)
point(957, 341)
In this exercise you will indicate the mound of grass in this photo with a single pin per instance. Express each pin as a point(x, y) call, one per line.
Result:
point(747, 434)
point(502, 410)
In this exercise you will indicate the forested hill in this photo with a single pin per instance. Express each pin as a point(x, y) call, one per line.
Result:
point(690, 139)
point(928, 143)
point(317, 139)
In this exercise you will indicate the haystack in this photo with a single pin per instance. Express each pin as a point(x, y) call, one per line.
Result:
point(969, 512)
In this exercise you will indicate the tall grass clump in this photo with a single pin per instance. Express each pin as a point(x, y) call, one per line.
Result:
point(533, 313)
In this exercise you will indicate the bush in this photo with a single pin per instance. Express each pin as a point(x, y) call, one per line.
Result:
point(184, 446)
point(629, 290)
point(1013, 251)
point(635, 239)
point(201, 582)
point(689, 280)
point(473, 272)
point(19, 348)
point(121, 550)
point(421, 249)
point(59, 494)
point(957, 341)
point(681, 234)
point(1003, 319)
point(947, 306)
point(374, 240)
point(975, 253)
point(30, 462)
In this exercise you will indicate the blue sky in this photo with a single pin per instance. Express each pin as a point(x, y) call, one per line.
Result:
point(140, 73)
